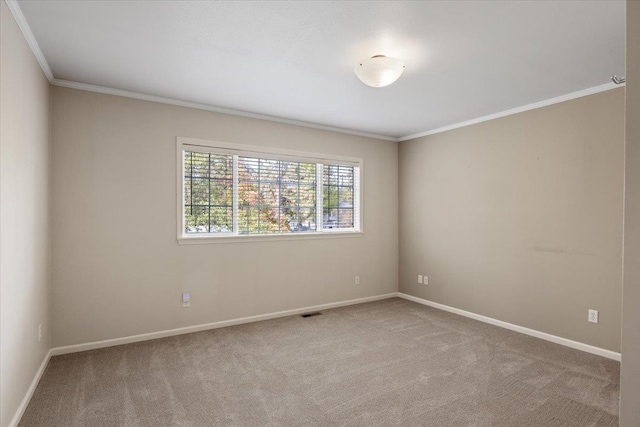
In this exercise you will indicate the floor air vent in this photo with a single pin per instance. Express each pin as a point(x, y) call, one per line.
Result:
point(315, 313)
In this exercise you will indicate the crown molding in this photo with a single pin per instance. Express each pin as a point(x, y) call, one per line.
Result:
point(14, 7)
point(207, 107)
point(540, 104)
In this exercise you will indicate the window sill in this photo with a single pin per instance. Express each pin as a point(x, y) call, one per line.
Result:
point(203, 240)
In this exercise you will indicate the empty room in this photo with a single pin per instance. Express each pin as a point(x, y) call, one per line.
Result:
point(320, 213)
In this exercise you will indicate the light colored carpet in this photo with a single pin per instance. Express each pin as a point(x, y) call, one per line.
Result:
point(387, 363)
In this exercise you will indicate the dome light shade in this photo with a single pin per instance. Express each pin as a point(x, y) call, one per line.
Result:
point(379, 71)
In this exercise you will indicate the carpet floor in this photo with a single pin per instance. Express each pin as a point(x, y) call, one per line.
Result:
point(386, 363)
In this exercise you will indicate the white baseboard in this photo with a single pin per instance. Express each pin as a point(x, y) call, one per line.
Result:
point(172, 332)
point(189, 329)
point(215, 325)
point(32, 388)
point(532, 332)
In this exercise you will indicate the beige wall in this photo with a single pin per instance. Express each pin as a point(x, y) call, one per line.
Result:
point(630, 369)
point(117, 269)
point(520, 218)
point(24, 213)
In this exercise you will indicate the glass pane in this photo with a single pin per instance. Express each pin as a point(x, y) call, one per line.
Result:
point(289, 194)
point(200, 165)
point(329, 173)
point(339, 196)
point(196, 220)
point(208, 192)
point(345, 218)
point(288, 219)
point(221, 166)
point(346, 197)
point(248, 169)
point(187, 191)
point(308, 174)
point(247, 220)
point(269, 170)
point(221, 192)
point(330, 218)
point(308, 195)
point(221, 220)
point(345, 176)
point(330, 197)
point(199, 191)
point(248, 193)
point(269, 194)
point(306, 220)
point(269, 220)
point(275, 196)
point(188, 170)
point(290, 172)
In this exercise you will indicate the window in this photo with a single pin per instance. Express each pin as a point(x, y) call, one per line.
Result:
point(337, 200)
point(208, 193)
point(228, 190)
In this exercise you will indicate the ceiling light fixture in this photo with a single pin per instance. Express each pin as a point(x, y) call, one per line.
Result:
point(379, 70)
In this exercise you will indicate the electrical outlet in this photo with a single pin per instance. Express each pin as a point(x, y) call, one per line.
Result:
point(593, 316)
point(39, 332)
point(186, 299)
point(357, 280)
point(425, 280)
point(419, 278)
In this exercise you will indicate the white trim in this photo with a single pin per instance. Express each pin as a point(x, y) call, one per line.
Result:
point(269, 152)
point(14, 7)
point(56, 351)
point(222, 110)
point(540, 104)
point(235, 197)
point(188, 104)
point(32, 388)
point(521, 329)
point(257, 318)
point(320, 199)
point(28, 34)
point(235, 150)
point(252, 238)
point(207, 107)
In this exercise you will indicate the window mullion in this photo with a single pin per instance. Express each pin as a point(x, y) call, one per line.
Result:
point(279, 196)
point(235, 184)
point(209, 195)
point(298, 199)
point(319, 196)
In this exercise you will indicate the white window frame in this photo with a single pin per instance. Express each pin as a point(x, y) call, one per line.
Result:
point(218, 147)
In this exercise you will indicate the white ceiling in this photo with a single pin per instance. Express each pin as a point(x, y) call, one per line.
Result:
point(295, 60)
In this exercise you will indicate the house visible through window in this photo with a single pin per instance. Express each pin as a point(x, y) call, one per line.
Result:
point(229, 191)
point(338, 189)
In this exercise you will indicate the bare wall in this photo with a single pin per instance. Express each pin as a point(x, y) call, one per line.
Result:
point(520, 218)
point(117, 268)
point(24, 213)
point(630, 369)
